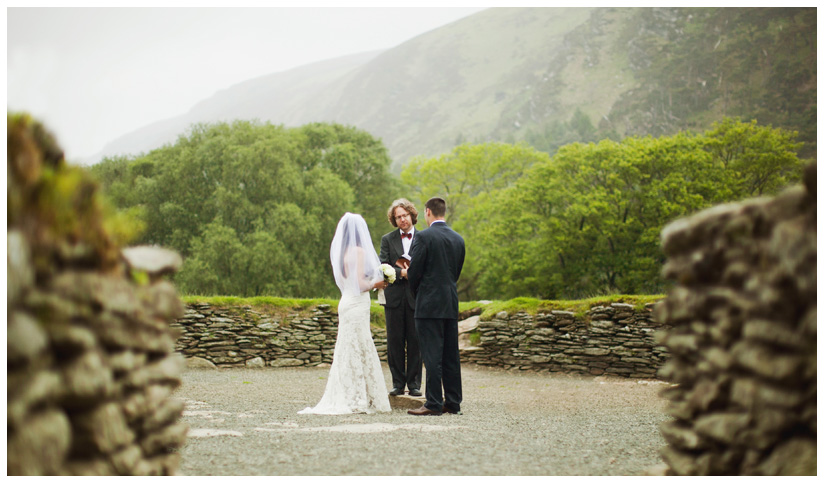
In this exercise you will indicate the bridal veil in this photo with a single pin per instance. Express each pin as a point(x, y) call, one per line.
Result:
point(354, 261)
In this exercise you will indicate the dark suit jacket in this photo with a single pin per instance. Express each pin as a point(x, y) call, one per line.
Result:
point(437, 258)
point(392, 250)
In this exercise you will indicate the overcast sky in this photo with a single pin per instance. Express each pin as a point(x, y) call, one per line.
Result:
point(94, 74)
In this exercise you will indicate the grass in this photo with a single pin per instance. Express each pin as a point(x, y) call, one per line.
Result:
point(579, 307)
point(283, 307)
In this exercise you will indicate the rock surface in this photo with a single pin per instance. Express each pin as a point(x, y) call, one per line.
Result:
point(743, 337)
point(90, 361)
point(617, 339)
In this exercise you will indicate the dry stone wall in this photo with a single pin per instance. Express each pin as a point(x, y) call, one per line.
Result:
point(743, 337)
point(611, 340)
point(91, 364)
point(244, 336)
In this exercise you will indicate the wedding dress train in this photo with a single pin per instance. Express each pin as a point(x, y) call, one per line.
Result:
point(356, 381)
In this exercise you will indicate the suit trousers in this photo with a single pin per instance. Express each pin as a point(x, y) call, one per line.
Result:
point(403, 353)
point(439, 349)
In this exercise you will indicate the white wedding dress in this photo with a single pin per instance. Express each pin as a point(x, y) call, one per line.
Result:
point(356, 381)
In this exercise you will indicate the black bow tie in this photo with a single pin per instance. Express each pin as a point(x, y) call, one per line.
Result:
point(408, 235)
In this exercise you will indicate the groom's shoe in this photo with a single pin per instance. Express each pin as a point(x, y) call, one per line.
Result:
point(423, 411)
point(415, 392)
point(448, 410)
point(397, 391)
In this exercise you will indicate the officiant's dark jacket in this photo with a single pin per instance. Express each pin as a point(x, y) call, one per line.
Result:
point(437, 259)
point(391, 250)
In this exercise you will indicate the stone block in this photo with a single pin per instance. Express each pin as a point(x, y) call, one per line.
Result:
point(196, 362)
point(539, 359)
point(142, 402)
point(69, 340)
point(796, 457)
point(751, 393)
point(606, 324)
point(161, 301)
point(682, 436)
point(86, 379)
point(166, 370)
point(126, 460)
point(630, 359)
point(767, 362)
point(281, 362)
point(725, 427)
point(167, 439)
point(125, 361)
point(469, 324)
point(102, 429)
point(775, 334)
point(685, 344)
point(162, 465)
point(88, 467)
point(165, 413)
point(25, 338)
point(41, 447)
point(28, 390)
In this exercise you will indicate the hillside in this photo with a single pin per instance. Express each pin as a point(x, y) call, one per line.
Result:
point(549, 76)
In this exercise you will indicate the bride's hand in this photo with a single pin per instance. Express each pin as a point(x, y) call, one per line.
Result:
point(380, 285)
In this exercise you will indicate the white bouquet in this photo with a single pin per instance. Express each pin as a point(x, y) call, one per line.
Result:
point(389, 273)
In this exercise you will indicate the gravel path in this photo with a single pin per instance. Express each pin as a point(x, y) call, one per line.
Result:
point(245, 422)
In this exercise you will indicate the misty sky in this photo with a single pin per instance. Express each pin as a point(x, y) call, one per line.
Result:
point(94, 74)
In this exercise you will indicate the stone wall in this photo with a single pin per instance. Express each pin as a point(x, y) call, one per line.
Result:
point(90, 355)
point(243, 336)
point(609, 340)
point(614, 340)
point(743, 340)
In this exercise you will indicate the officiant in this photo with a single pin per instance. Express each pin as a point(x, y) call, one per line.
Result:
point(403, 355)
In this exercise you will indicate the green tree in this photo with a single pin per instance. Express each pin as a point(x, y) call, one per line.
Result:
point(763, 159)
point(587, 222)
point(252, 207)
point(466, 178)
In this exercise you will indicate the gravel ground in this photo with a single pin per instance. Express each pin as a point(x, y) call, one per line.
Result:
point(245, 422)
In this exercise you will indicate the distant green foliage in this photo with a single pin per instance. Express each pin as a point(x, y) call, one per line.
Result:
point(555, 134)
point(587, 222)
point(466, 178)
point(252, 207)
point(707, 63)
point(658, 71)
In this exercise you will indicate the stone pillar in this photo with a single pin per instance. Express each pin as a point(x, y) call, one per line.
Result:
point(91, 361)
point(743, 337)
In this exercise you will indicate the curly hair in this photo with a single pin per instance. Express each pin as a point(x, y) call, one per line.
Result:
point(406, 205)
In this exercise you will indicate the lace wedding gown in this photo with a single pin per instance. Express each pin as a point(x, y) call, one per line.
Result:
point(356, 381)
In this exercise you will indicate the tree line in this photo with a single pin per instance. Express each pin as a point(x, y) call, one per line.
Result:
point(252, 207)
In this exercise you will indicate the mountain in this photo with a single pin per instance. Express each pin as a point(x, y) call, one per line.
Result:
point(270, 97)
point(548, 76)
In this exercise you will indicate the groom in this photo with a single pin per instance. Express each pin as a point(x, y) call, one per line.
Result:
point(437, 259)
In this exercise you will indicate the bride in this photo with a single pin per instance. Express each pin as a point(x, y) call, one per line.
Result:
point(356, 381)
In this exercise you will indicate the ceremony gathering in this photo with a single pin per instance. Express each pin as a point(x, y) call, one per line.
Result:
point(408, 240)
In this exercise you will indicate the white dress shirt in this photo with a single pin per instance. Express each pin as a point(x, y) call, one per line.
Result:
point(407, 242)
